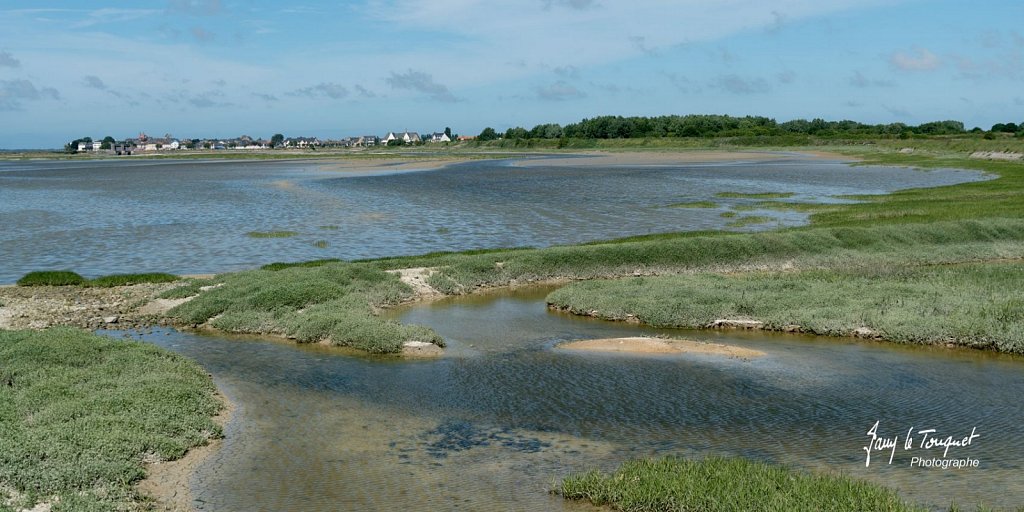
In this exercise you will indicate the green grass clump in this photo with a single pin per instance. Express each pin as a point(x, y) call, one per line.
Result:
point(51, 278)
point(726, 484)
point(755, 195)
point(326, 301)
point(974, 305)
point(727, 215)
point(695, 204)
point(271, 234)
point(300, 264)
point(749, 220)
point(79, 412)
point(130, 279)
point(321, 244)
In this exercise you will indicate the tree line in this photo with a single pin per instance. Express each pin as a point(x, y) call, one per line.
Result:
point(618, 127)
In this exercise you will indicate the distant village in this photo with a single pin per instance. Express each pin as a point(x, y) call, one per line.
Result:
point(146, 144)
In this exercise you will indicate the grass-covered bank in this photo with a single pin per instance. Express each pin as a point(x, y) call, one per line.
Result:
point(333, 302)
point(972, 305)
point(79, 415)
point(69, 278)
point(726, 484)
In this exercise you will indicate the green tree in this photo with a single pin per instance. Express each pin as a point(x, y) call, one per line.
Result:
point(448, 132)
point(108, 142)
point(487, 134)
point(276, 140)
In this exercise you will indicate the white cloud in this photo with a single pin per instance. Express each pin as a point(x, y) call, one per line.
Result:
point(8, 61)
point(421, 82)
point(559, 91)
point(13, 93)
point(918, 59)
point(485, 28)
point(740, 85)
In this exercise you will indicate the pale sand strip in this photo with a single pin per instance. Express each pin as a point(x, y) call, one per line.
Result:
point(646, 345)
point(598, 158)
point(167, 482)
point(389, 164)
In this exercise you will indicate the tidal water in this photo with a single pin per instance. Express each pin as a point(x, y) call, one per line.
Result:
point(185, 217)
point(504, 414)
point(498, 420)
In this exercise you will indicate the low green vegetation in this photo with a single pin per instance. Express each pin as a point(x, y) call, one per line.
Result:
point(695, 204)
point(190, 288)
point(728, 215)
point(130, 279)
point(836, 247)
point(978, 305)
point(328, 302)
point(755, 195)
point(749, 220)
point(79, 413)
point(726, 484)
point(321, 244)
point(271, 234)
point(51, 278)
point(68, 278)
point(307, 264)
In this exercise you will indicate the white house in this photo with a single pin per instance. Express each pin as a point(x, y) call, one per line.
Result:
point(440, 137)
point(406, 137)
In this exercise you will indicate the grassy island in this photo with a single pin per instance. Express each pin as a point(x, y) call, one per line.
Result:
point(726, 484)
point(80, 415)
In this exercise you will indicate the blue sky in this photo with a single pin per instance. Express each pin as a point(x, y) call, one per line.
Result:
point(219, 68)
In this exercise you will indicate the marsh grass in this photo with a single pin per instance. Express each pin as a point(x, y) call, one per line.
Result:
point(271, 234)
point(726, 484)
point(695, 204)
point(130, 279)
point(978, 305)
point(79, 412)
point(299, 264)
point(321, 244)
point(323, 302)
point(755, 195)
point(189, 288)
point(749, 220)
point(728, 215)
point(51, 278)
point(68, 278)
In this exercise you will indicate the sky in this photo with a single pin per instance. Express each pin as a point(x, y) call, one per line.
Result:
point(224, 68)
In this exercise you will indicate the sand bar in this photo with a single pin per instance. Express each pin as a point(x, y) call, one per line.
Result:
point(647, 345)
point(598, 158)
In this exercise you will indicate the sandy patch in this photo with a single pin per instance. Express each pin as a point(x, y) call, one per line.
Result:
point(646, 345)
point(39, 307)
point(421, 349)
point(417, 279)
point(6, 318)
point(161, 306)
point(996, 155)
point(390, 164)
point(168, 481)
point(667, 158)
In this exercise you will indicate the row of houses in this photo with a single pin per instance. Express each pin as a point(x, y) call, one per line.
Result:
point(145, 143)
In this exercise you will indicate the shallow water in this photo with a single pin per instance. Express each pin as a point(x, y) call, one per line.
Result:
point(504, 414)
point(103, 217)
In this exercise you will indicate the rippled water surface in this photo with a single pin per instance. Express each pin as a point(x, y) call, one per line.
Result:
point(104, 217)
point(504, 414)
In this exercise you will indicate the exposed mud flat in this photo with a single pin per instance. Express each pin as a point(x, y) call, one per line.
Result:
point(39, 307)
